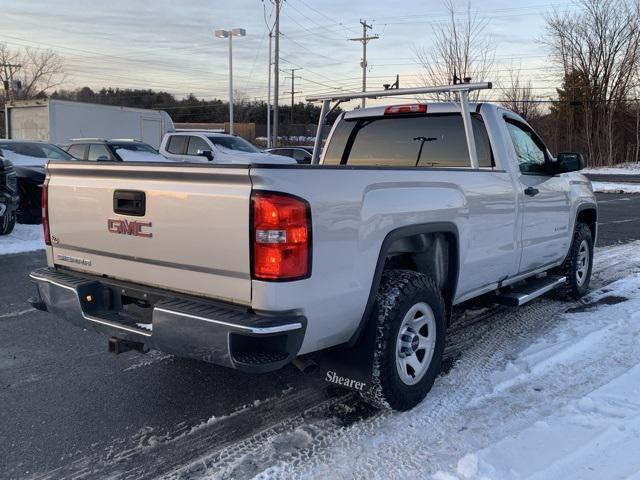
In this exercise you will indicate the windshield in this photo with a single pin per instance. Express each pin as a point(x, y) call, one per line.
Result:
point(35, 150)
point(234, 143)
point(134, 147)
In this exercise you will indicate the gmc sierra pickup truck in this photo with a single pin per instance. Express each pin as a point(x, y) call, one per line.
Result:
point(411, 209)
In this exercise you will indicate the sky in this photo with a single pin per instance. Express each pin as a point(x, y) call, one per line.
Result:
point(170, 45)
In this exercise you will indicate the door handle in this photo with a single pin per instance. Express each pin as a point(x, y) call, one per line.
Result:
point(531, 191)
point(129, 202)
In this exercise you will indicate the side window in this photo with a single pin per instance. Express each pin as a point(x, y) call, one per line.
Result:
point(177, 144)
point(195, 144)
point(435, 140)
point(98, 151)
point(53, 154)
point(531, 152)
point(301, 156)
point(285, 152)
point(77, 151)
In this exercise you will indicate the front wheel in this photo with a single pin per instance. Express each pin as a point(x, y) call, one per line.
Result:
point(409, 339)
point(7, 222)
point(577, 266)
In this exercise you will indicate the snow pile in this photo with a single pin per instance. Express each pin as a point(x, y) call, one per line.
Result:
point(612, 187)
point(622, 169)
point(590, 436)
point(24, 238)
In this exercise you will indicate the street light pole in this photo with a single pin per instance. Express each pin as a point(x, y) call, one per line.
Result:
point(269, 96)
point(236, 32)
point(230, 84)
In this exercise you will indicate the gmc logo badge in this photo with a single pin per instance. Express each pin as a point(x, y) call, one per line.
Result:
point(129, 227)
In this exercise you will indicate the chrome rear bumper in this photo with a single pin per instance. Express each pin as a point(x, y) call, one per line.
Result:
point(228, 335)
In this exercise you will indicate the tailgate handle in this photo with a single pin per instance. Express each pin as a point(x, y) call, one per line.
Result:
point(129, 202)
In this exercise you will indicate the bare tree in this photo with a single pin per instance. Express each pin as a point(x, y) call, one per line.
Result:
point(40, 70)
point(600, 43)
point(518, 96)
point(460, 47)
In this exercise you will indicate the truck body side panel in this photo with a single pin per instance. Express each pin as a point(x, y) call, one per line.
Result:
point(353, 210)
point(28, 123)
point(58, 121)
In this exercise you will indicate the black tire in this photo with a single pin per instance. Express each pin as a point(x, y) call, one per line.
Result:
point(577, 284)
point(30, 208)
point(7, 222)
point(401, 291)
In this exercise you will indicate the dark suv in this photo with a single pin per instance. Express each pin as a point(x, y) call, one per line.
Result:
point(29, 159)
point(124, 150)
point(8, 196)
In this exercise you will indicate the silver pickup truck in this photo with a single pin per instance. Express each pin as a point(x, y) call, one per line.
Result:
point(411, 209)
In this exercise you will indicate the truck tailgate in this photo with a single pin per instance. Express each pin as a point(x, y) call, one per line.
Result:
point(192, 235)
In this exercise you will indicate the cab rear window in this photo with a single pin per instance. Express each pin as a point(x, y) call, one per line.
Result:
point(435, 140)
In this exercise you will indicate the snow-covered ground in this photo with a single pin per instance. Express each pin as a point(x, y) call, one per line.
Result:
point(614, 187)
point(24, 238)
point(547, 391)
point(623, 169)
point(587, 372)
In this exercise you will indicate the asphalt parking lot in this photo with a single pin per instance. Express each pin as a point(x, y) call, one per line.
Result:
point(68, 408)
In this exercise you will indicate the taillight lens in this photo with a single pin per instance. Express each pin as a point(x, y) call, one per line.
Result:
point(281, 236)
point(45, 213)
point(404, 109)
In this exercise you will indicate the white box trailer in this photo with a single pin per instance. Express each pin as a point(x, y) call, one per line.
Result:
point(58, 121)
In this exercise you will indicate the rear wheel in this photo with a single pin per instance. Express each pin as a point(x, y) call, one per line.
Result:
point(577, 266)
point(7, 222)
point(409, 339)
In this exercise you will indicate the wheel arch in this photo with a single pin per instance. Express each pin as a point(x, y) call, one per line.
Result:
point(415, 240)
point(587, 213)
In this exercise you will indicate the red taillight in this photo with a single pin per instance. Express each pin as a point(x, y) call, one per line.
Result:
point(45, 213)
point(401, 109)
point(280, 236)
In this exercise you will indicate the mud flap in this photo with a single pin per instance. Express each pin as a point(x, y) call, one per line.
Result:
point(351, 366)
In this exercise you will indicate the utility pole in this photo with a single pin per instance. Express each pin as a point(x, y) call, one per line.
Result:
point(276, 72)
point(8, 69)
point(269, 95)
point(363, 63)
point(293, 91)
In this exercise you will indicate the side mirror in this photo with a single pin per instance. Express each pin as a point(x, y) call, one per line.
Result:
point(569, 162)
point(206, 153)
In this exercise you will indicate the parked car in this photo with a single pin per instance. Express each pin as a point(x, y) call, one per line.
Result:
point(412, 210)
point(301, 154)
point(29, 159)
point(8, 196)
point(206, 146)
point(117, 150)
